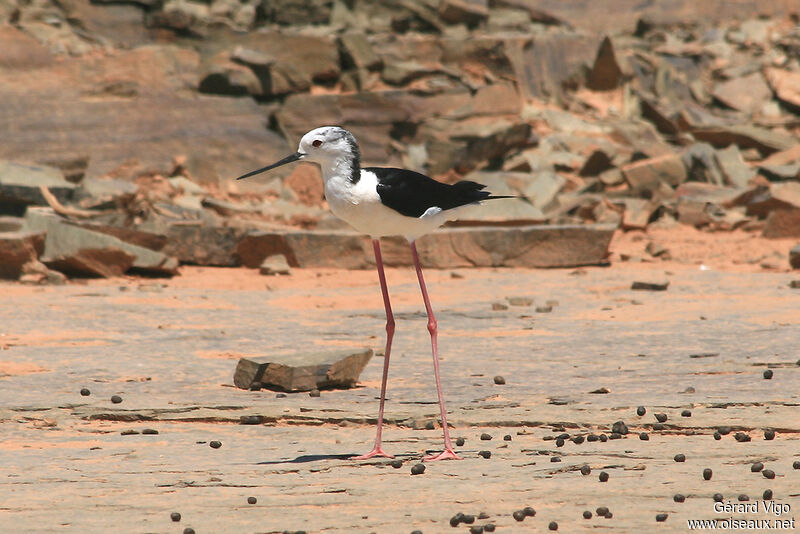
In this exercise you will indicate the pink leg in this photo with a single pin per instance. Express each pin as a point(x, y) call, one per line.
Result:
point(378, 450)
point(448, 452)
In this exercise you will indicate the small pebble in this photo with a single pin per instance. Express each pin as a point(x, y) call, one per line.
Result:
point(252, 500)
point(280, 395)
point(85, 392)
point(499, 380)
point(769, 435)
point(507, 437)
point(175, 516)
point(559, 442)
point(485, 454)
point(116, 399)
point(661, 417)
point(756, 467)
point(680, 458)
point(460, 442)
point(743, 497)
point(456, 519)
point(488, 527)
point(643, 436)
point(718, 497)
point(678, 497)
point(468, 519)
point(529, 511)
point(585, 470)
point(397, 464)
point(658, 426)
point(615, 435)
point(486, 437)
point(250, 420)
point(741, 437)
point(519, 515)
point(603, 476)
point(609, 515)
point(601, 510)
point(555, 459)
point(314, 393)
point(215, 444)
point(188, 530)
point(418, 469)
point(686, 413)
point(129, 432)
point(592, 437)
point(577, 440)
point(724, 430)
point(553, 525)
point(587, 514)
point(717, 436)
point(483, 515)
point(796, 465)
point(767, 495)
point(768, 374)
point(768, 473)
point(416, 532)
point(603, 438)
point(641, 411)
point(707, 473)
point(477, 529)
point(151, 431)
point(544, 309)
point(619, 428)
point(430, 425)
point(661, 517)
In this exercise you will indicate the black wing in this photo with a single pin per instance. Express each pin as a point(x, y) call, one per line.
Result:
point(411, 193)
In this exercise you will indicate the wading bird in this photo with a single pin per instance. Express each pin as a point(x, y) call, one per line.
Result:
point(382, 202)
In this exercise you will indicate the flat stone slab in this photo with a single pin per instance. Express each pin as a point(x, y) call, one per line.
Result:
point(302, 371)
point(481, 246)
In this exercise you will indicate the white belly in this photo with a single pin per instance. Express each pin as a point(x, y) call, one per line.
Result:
point(360, 206)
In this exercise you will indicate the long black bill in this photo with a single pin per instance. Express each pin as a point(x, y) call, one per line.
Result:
point(284, 161)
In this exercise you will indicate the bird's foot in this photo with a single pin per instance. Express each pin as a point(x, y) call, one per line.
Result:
point(447, 454)
point(377, 451)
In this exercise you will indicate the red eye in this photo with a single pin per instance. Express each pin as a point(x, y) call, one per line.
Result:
point(316, 142)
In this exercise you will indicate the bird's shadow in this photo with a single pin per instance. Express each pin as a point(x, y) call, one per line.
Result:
point(306, 458)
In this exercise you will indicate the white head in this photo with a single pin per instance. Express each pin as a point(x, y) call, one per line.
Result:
point(327, 146)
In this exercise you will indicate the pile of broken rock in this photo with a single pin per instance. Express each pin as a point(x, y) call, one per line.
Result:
point(669, 121)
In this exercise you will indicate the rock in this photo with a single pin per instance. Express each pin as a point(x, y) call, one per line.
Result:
point(19, 186)
point(275, 265)
point(303, 371)
point(747, 94)
point(18, 249)
point(663, 121)
point(531, 246)
point(221, 76)
point(195, 243)
point(95, 193)
point(794, 257)
point(782, 223)
point(11, 224)
point(786, 85)
point(700, 160)
point(298, 12)
point(606, 73)
point(646, 176)
point(637, 214)
point(72, 249)
point(776, 173)
point(780, 196)
point(650, 285)
point(745, 136)
point(734, 170)
point(356, 51)
point(469, 12)
point(784, 157)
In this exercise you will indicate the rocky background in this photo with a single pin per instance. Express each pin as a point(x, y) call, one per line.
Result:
point(125, 122)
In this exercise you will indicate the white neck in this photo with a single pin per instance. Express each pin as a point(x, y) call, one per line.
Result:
point(338, 169)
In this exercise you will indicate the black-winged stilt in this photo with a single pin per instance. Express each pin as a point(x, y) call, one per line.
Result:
point(381, 202)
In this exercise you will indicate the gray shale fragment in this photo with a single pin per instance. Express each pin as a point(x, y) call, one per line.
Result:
point(303, 371)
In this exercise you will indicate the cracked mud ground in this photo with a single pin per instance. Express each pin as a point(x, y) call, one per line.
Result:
point(168, 348)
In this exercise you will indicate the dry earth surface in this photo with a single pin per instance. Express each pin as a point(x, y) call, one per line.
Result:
point(168, 348)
